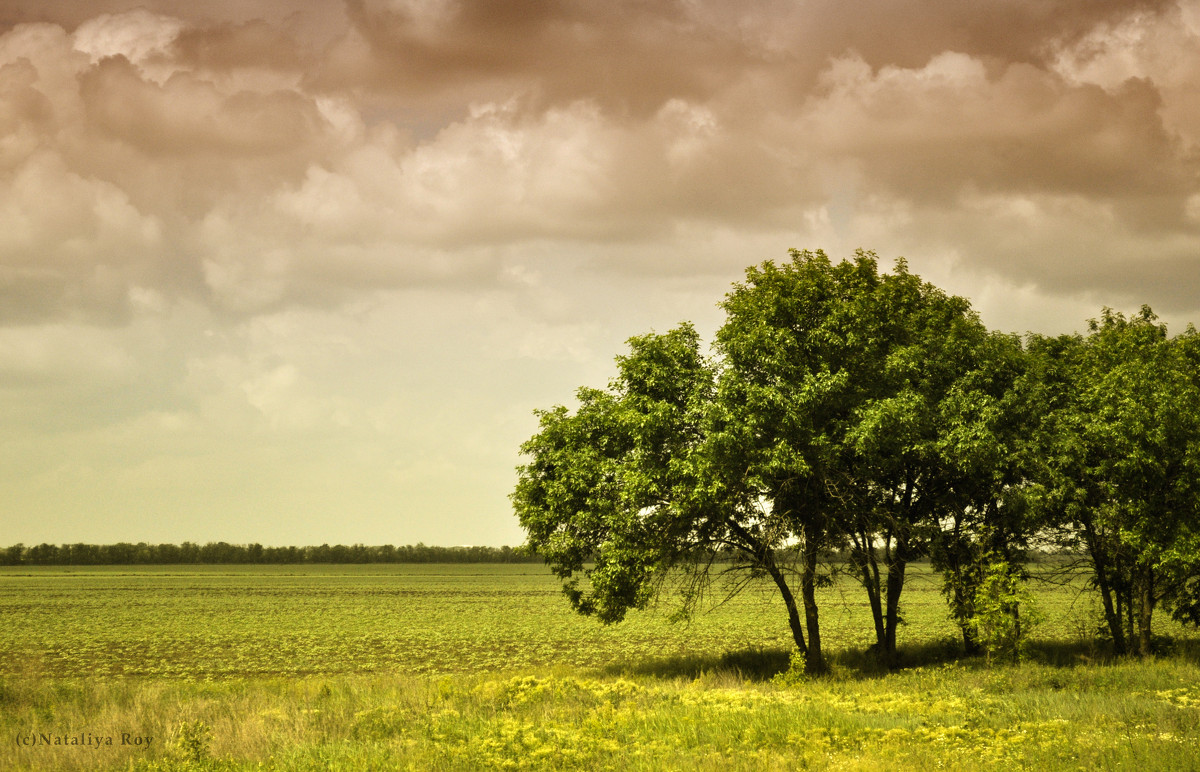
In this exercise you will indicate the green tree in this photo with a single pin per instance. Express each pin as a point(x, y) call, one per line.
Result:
point(835, 384)
point(1121, 467)
point(928, 344)
point(623, 490)
point(817, 423)
point(989, 419)
point(1179, 562)
point(1004, 611)
point(610, 496)
point(12, 556)
point(796, 364)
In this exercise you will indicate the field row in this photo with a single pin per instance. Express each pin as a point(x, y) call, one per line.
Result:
point(452, 619)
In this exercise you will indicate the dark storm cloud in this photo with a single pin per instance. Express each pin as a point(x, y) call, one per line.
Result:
point(625, 56)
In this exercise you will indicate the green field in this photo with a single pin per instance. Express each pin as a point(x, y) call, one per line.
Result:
point(483, 666)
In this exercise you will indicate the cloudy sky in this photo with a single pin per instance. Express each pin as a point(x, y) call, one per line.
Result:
point(298, 272)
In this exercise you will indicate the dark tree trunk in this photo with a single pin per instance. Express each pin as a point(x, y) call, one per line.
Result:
point(863, 555)
point(1144, 598)
point(897, 561)
point(1127, 605)
point(895, 585)
point(815, 662)
point(971, 645)
point(789, 600)
point(764, 557)
point(1104, 580)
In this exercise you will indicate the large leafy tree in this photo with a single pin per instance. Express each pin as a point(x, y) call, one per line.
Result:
point(927, 344)
point(1180, 561)
point(611, 496)
point(628, 490)
point(816, 425)
point(1120, 471)
point(796, 363)
point(841, 386)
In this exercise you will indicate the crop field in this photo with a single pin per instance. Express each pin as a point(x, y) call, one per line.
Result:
point(484, 666)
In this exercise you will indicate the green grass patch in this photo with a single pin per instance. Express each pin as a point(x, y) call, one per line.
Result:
point(483, 667)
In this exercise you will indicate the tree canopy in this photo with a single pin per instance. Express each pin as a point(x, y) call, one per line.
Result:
point(1120, 470)
point(867, 414)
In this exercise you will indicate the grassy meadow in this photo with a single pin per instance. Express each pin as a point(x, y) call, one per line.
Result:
point(483, 666)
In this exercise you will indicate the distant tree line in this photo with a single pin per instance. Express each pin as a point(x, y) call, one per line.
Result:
point(216, 553)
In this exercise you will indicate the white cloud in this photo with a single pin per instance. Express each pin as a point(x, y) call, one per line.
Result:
point(1192, 208)
point(1162, 48)
point(142, 37)
point(689, 131)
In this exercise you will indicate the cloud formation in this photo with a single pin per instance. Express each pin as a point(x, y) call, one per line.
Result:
point(442, 126)
point(176, 178)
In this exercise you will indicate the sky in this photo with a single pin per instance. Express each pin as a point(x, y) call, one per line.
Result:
point(300, 272)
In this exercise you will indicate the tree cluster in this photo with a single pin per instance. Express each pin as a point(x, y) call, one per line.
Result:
point(217, 553)
point(848, 410)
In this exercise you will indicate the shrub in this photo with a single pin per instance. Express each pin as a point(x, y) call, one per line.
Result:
point(1005, 613)
point(795, 673)
point(192, 740)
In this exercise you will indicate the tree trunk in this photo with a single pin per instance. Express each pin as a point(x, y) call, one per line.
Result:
point(1112, 611)
point(897, 561)
point(864, 556)
point(815, 662)
point(1127, 603)
point(895, 585)
point(1144, 598)
point(789, 600)
point(971, 645)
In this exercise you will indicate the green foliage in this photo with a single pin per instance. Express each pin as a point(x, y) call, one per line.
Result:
point(874, 414)
point(192, 741)
point(1004, 612)
point(609, 496)
point(1180, 565)
point(796, 672)
point(1119, 463)
point(845, 406)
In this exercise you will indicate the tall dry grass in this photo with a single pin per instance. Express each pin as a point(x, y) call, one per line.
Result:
point(953, 715)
